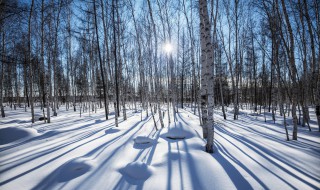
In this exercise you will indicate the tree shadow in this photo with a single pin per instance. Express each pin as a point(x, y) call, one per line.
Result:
point(59, 144)
point(81, 137)
point(185, 122)
point(259, 149)
point(97, 151)
point(236, 177)
point(303, 146)
point(150, 147)
point(51, 134)
point(192, 165)
point(48, 161)
point(66, 172)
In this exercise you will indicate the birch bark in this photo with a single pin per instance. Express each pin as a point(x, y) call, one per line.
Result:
point(207, 74)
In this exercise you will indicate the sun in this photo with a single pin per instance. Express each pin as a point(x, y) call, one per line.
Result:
point(167, 47)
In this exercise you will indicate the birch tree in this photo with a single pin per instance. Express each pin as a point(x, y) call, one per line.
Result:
point(101, 64)
point(206, 75)
point(155, 59)
point(30, 62)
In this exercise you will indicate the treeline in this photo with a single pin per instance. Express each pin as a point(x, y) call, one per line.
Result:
point(264, 56)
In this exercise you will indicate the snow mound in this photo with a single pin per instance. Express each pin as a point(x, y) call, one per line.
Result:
point(142, 140)
point(136, 171)
point(177, 131)
point(12, 134)
point(74, 168)
point(110, 131)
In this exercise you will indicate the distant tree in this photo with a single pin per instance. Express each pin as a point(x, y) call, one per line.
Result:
point(100, 61)
point(289, 46)
point(30, 62)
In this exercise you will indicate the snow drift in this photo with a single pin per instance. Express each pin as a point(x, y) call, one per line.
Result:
point(14, 134)
point(136, 172)
point(177, 131)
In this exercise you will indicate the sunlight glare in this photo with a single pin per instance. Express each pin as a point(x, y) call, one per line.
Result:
point(168, 48)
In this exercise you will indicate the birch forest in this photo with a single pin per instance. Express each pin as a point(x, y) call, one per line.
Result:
point(204, 64)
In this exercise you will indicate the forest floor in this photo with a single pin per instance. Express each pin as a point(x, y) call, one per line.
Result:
point(89, 152)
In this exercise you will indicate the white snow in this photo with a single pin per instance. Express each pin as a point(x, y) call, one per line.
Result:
point(142, 140)
point(178, 131)
point(74, 168)
point(10, 135)
point(88, 152)
point(137, 171)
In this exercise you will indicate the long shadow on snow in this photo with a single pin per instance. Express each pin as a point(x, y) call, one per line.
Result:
point(87, 135)
point(184, 121)
point(258, 149)
point(75, 129)
point(59, 124)
point(17, 121)
point(244, 167)
point(280, 125)
point(180, 168)
point(149, 155)
point(147, 158)
point(314, 150)
point(98, 119)
point(51, 180)
point(248, 142)
point(60, 145)
point(191, 166)
point(139, 184)
point(236, 177)
point(273, 137)
point(121, 182)
point(142, 123)
point(52, 159)
point(191, 163)
point(50, 134)
point(48, 151)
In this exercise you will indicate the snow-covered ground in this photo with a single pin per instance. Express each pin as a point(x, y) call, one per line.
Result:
point(91, 153)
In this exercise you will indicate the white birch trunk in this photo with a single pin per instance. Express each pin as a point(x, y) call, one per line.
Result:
point(30, 68)
point(207, 74)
